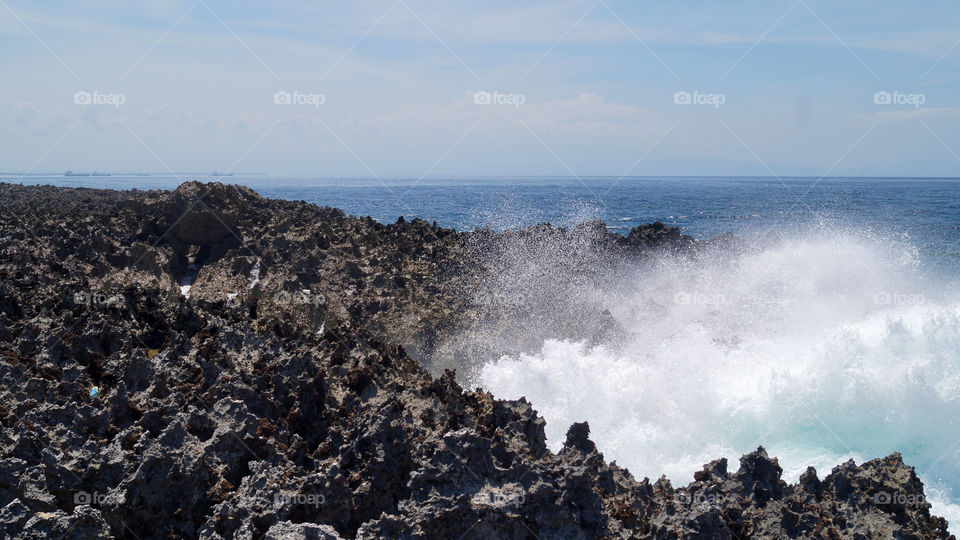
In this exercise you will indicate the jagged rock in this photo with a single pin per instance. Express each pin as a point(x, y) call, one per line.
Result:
point(85, 522)
point(280, 399)
point(301, 531)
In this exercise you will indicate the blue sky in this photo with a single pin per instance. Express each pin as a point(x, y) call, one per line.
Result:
point(390, 88)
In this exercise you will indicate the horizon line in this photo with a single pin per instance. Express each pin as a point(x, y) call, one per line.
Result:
point(267, 176)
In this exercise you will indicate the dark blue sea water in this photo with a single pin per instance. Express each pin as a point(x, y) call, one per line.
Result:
point(926, 210)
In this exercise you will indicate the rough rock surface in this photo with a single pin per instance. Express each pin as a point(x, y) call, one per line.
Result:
point(276, 399)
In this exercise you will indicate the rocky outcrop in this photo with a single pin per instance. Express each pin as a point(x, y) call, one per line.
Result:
point(277, 399)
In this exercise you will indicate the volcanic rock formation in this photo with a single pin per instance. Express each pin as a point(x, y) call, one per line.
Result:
point(277, 398)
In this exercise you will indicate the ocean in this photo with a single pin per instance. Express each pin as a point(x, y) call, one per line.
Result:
point(836, 337)
point(925, 209)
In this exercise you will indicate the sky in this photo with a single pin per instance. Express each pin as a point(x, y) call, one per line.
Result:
point(412, 88)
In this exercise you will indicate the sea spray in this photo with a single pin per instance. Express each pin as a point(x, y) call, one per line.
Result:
point(823, 347)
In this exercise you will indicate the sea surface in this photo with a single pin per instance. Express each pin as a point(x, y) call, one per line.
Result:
point(925, 209)
point(836, 338)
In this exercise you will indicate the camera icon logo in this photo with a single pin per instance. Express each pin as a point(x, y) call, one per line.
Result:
point(882, 98)
point(682, 98)
point(482, 98)
point(92, 499)
point(282, 98)
point(82, 98)
point(882, 498)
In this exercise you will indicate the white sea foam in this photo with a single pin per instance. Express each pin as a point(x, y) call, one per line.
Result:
point(822, 348)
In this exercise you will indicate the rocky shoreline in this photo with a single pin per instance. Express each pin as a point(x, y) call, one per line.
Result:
point(207, 363)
